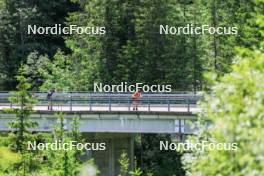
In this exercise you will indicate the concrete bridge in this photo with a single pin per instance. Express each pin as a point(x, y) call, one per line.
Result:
point(157, 113)
point(110, 118)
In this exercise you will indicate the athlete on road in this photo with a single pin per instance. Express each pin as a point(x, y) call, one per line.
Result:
point(136, 99)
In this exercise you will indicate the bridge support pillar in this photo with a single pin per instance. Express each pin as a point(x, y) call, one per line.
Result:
point(116, 143)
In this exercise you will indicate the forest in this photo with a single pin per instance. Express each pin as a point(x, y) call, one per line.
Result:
point(131, 45)
point(227, 69)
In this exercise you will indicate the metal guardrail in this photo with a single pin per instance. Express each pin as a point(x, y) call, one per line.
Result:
point(110, 101)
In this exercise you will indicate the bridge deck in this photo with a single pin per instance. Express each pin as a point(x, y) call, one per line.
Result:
point(111, 102)
point(124, 108)
point(170, 113)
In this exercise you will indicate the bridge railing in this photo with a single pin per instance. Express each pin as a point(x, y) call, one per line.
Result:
point(86, 101)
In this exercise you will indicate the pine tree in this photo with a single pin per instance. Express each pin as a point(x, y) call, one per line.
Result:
point(65, 162)
point(23, 102)
point(234, 109)
point(16, 44)
point(57, 74)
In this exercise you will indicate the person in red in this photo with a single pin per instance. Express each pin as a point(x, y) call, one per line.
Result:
point(136, 99)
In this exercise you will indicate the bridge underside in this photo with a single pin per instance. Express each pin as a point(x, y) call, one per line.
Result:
point(114, 128)
point(114, 122)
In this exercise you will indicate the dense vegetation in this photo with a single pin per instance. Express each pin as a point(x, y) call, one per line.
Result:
point(236, 111)
point(132, 50)
point(132, 43)
point(235, 108)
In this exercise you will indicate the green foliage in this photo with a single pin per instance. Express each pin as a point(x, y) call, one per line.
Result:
point(258, 19)
point(124, 164)
point(32, 69)
point(64, 162)
point(45, 74)
point(16, 44)
point(151, 159)
point(57, 74)
point(13, 18)
point(132, 50)
point(136, 172)
point(89, 169)
point(132, 44)
point(8, 160)
point(235, 108)
point(221, 48)
point(23, 102)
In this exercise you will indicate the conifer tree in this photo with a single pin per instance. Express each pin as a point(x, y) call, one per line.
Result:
point(65, 162)
point(23, 102)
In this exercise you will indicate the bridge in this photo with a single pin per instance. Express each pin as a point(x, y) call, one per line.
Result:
point(110, 118)
point(112, 112)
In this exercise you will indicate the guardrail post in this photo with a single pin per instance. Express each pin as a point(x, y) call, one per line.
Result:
point(148, 104)
point(70, 101)
point(90, 103)
point(110, 103)
point(129, 104)
point(168, 100)
point(188, 105)
point(51, 104)
point(180, 130)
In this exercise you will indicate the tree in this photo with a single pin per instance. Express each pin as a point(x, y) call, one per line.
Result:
point(16, 44)
point(89, 169)
point(23, 101)
point(136, 172)
point(34, 67)
point(231, 13)
point(64, 162)
point(103, 58)
point(235, 108)
point(124, 164)
point(45, 74)
point(235, 111)
point(8, 160)
point(58, 74)
point(132, 44)
point(151, 159)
